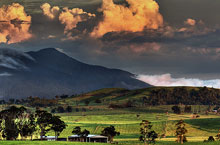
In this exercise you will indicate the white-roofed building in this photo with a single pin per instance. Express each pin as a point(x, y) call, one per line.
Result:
point(89, 138)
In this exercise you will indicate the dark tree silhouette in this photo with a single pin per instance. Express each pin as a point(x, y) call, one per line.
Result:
point(110, 132)
point(181, 131)
point(57, 125)
point(43, 122)
point(82, 134)
point(148, 136)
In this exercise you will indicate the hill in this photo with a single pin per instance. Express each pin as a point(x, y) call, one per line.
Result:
point(153, 96)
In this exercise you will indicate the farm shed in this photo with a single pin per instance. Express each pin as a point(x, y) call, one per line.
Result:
point(53, 138)
point(89, 138)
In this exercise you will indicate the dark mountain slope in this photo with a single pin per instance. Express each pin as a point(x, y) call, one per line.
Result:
point(48, 72)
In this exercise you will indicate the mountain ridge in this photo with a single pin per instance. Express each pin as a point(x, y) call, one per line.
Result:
point(49, 72)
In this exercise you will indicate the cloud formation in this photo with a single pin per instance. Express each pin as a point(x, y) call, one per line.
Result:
point(68, 17)
point(50, 12)
point(139, 15)
point(167, 80)
point(190, 22)
point(5, 74)
point(71, 17)
point(14, 24)
point(11, 59)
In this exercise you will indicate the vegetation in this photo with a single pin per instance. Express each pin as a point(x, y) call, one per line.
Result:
point(110, 132)
point(123, 109)
point(16, 121)
point(148, 136)
point(181, 131)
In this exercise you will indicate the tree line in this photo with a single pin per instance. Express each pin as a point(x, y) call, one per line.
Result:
point(183, 95)
point(16, 121)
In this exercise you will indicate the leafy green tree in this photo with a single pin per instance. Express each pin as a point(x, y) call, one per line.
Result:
point(181, 131)
point(110, 132)
point(57, 125)
point(43, 122)
point(82, 134)
point(9, 128)
point(148, 136)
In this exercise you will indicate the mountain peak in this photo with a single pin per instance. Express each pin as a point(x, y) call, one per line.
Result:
point(49, 50)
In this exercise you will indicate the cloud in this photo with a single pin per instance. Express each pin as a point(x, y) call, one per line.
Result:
point(5, 74)
point(12, 59)
point(190, 22)
point(14, 24)
point(71, 17)
point(167, 80)
point(50, 12)
point(139, 15)
point(68, 17)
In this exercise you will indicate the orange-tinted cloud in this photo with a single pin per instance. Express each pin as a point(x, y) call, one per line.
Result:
point(140, 15)
point(49, 11)
point(190, 22)
point(71, 17)
point(14, 24)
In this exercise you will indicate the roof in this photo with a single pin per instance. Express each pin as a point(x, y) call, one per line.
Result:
point(89, 136)
point(49, 137)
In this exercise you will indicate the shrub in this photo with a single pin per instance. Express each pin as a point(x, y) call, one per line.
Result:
point(176, 109)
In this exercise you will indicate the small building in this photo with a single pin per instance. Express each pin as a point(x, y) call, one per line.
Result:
point(89, 138)
point(53, 138)
point(49, 138)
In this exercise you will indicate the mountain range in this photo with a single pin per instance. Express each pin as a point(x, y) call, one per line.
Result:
point(49, 72)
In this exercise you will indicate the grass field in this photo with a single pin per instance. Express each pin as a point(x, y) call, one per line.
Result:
point(127, 123)
point(127, 120)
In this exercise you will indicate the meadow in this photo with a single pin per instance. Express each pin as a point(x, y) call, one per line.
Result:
point(127, 120)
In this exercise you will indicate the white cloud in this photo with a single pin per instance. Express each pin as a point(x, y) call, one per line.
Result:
point(167, 80)
point(5, 74)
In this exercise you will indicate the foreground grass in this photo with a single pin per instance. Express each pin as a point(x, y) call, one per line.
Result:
point(78, 143)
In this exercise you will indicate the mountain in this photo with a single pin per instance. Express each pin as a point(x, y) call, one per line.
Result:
point(49, 72)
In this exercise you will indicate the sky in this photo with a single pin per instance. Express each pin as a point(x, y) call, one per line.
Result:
point(164, 42)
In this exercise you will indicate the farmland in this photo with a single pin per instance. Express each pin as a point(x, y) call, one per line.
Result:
point(96, 116)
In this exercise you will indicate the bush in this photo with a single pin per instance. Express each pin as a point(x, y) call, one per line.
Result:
point(77, 109)
point(60, 109)
point(210, 139)
point(53, 110)
point(98, 101)
point(69, 109)
point(176, 109)
point(188, 109)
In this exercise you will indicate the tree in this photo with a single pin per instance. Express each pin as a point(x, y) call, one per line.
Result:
point(53, 110)
point(176, 109)
point(82, 134)
point(64, 96)
point(148, 136)
point(9, 128)
point(87, 102)
point(69, 109)
point(60, 109)
point(187, 109)
point(181, 131)
point(98, 101)
point(110, 132)
point(57, 125)
point(28, 127)
point(43, 122)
